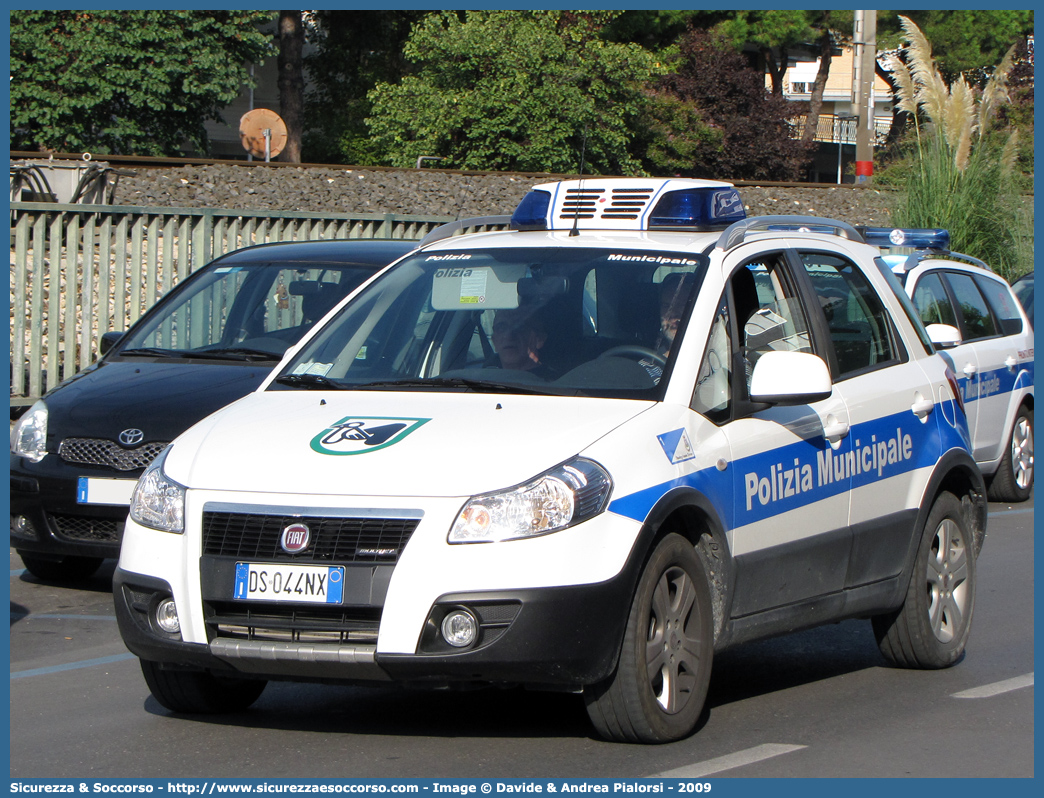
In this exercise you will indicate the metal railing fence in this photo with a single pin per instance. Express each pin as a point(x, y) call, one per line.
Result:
point(78, 271)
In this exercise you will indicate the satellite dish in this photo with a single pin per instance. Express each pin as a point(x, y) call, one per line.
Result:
point(252, 127)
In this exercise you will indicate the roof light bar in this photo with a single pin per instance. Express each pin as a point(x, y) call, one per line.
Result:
point(698, 208)
point(912, 237)
point(531, 213)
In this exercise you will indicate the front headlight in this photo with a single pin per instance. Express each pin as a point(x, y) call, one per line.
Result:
point(560, 498)
point(29, 434)
point(157, 501)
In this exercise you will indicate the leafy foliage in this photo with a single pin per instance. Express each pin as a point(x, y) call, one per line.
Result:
point(713, 118)
point(133, 82)
point(354, 50)
point(514, 90)
point(960, 171)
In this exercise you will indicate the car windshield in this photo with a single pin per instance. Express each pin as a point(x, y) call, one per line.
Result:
point(246, 311)
point(554, 320)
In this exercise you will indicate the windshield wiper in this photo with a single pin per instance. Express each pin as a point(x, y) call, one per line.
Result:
point(479, 386)
point(310, 382)
point(235, 353)
point(151, 351)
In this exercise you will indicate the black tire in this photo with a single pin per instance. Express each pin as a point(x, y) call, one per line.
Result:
point(62, 569)
point(1013, 481)
point(931, 628)
point(200, 692)
point(657, 692)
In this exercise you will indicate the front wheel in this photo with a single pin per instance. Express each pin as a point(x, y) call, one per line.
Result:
point(200, 692)
point(930, 629)
point(1013, 481)
point(657, 692)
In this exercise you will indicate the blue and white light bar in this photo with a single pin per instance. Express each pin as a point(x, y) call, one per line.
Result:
point(630, 204)
point(910, 237)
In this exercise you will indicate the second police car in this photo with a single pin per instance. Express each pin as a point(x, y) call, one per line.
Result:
point(583, 454)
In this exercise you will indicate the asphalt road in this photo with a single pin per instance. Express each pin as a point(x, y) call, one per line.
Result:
point(813, 704)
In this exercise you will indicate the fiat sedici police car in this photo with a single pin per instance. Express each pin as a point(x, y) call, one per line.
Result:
point(583, 454)
point(990, 340)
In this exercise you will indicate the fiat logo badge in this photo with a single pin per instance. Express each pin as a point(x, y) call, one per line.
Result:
point(295, 538)
point(131, 437)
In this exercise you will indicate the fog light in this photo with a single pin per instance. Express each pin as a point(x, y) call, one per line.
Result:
point(22, 526)
point(459, 628)
point(167, 617)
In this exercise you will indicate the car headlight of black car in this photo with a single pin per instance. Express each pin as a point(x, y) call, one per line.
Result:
point(29, 434)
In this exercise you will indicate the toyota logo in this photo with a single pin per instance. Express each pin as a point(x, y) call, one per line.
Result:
point(295, 538)
point(131, 437)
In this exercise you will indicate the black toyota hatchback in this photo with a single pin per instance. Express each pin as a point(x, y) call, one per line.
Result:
point(76, 454)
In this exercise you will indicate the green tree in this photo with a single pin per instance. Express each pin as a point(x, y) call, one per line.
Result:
point(713, 118)
point(514, 90)
point(354, 51)
point(127, 82)
point(774, 34)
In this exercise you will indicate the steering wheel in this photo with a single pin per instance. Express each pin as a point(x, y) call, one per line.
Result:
point(637, 352)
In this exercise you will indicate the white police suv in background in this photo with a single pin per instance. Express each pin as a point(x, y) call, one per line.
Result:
point(991, 344)
point(584, 454)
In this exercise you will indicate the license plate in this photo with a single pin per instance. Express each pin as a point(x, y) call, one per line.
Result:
point(90, 490)
point(311, 584)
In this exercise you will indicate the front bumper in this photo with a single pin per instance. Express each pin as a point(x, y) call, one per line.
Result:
point(43, 497)
point(553, 637)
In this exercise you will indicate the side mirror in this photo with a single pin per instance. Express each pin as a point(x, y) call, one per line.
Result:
point(108, 341)
point(944, 336)
point(790, 378)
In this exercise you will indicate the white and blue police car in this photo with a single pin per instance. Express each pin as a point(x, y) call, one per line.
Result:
point(583, 454)
point(975, 315)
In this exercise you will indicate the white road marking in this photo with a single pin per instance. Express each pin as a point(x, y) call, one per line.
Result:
point(729, 761)
point(990, 690)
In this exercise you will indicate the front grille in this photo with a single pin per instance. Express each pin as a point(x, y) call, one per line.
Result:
point(282, 623)
point(90, 530)
point(342, 540)
point(108, 454)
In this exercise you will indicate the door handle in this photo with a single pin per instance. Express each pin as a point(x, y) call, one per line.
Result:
point(969, 370)
point(922, 407)
point(835, 430)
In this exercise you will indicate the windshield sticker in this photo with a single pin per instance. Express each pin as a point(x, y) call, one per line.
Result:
point(319, 369)
point(364, 434)
point(676, 446)
point(473, 287)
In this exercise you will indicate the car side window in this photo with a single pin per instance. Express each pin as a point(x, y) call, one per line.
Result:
point(712, 396)
point(1003, 304)
point(859, 325)
point(978, 321)
point(932, 301)
point(768, 315)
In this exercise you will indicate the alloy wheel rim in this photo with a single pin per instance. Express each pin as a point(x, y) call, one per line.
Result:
point(1022, 453)
point(949, 592)
point(672, 650)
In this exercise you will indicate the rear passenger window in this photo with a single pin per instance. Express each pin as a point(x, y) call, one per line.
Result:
point(932, 301)
point(1003, 304)
point(978, 321)
point(859, 325)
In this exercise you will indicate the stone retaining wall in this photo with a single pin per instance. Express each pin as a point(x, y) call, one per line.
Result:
point(431, 192)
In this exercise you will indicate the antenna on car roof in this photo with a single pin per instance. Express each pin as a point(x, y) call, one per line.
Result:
point(580, 187)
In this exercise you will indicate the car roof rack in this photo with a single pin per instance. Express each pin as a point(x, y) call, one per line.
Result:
point(734, 235)
point(452, 228)
point(914, 259)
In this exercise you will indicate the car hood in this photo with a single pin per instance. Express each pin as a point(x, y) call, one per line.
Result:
point(389, 444)
point(161, 398)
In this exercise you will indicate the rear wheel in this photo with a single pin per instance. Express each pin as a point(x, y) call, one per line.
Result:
point(1013, 481)
point(657, 692)
point(200, 692)
point(931, 629)
point(61, 569)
